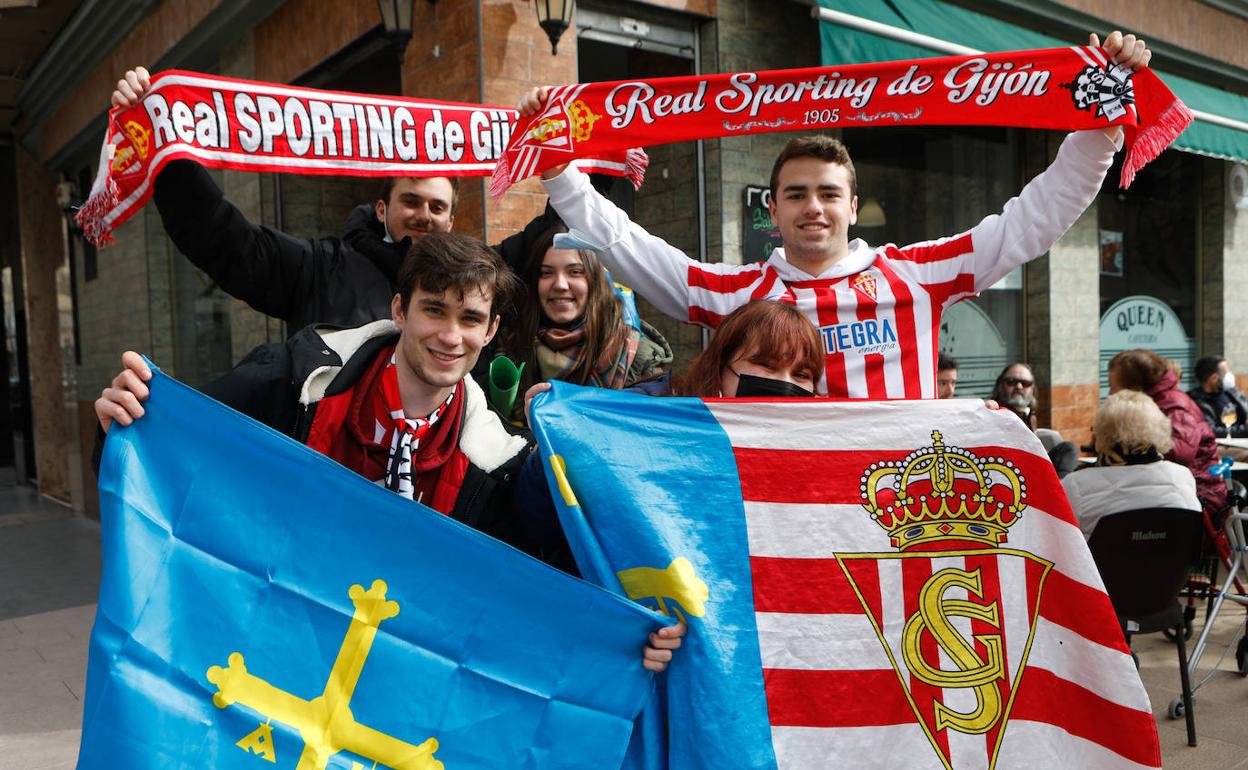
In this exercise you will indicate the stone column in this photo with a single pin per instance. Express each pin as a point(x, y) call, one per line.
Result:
point(42, 253)
point(1063, 315)
point(1223, 271)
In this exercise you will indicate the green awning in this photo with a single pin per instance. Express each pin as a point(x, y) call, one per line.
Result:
point(1207, 135)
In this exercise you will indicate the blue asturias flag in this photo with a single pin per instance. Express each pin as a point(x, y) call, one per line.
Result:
point(867, 584)
point(260, 602)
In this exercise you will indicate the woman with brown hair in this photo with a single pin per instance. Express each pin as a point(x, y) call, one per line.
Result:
point(573, 326)
point(1194, 443)
point(764, 349)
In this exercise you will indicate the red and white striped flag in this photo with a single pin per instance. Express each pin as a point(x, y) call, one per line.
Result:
point(875, 584)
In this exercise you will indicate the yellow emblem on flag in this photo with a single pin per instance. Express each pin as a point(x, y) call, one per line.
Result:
point(678, 583)
point(326, 723)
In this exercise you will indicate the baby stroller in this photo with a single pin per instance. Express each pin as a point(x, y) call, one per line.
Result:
point(1231, 548)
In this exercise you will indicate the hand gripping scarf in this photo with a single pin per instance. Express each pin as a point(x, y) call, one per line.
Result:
point(1057, 88)
point(252, 126)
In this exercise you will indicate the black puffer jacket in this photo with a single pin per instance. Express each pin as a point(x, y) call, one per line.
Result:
point(347, 281)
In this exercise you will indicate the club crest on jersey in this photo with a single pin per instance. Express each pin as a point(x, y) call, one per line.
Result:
point(957, 659)
point(865, 283)
point(870, 335)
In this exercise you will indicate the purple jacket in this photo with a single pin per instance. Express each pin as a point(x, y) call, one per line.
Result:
point(1194, 444)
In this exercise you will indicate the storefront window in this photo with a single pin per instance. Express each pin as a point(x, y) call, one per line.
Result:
point(920, 184)
point(1148, 260)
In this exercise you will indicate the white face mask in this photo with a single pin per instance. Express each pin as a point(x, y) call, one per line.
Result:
point(384, 226)
point(1228, 381)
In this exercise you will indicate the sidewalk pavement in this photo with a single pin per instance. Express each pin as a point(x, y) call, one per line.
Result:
point(49, 580)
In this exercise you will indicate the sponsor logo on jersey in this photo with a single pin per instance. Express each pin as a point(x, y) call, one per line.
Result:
point(863, 337)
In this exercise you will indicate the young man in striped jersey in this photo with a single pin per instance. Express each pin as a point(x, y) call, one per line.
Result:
point(878, 309)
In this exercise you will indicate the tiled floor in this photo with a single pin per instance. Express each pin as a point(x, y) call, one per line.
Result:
point(49, 573)
point(49, 579)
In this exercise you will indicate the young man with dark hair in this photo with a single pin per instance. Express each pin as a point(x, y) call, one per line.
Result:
point(946, 376)
point(392, 401)
point(344, 281)
point(1221, 404)
point(878, 309)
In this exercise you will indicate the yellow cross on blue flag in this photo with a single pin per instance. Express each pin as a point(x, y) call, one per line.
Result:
point(261, 606)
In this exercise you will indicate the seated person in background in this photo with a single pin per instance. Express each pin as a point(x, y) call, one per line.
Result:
point(1194, 445)
point(1221, 403)
point(571, 325)
point(1015, 390)
point(1131, 435)
point(946, 376)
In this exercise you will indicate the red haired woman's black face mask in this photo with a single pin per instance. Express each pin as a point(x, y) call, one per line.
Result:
point(750, 386)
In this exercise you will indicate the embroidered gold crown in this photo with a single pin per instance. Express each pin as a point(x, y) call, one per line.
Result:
point(583, 120)
point(944, 494)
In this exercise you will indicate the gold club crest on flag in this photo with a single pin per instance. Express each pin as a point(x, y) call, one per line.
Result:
point(946, 510)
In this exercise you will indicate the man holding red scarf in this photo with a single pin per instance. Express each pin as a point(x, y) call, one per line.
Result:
point(878, 309)
point(343, 281)
point(392, 401)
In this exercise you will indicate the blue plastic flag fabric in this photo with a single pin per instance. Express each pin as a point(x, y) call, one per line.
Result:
point(867, 584)
point(260, 602)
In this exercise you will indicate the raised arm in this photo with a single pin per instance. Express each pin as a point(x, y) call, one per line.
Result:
point(652, 267)
point(268, 270)
point(1029, 224)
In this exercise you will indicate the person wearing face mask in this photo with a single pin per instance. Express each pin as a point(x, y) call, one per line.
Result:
point(764, 349)
point(1222, 404)
point(574, 326)
point(346, 281)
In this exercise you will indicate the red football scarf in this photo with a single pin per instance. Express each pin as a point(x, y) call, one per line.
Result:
point(1056, 88)
point(252, 126)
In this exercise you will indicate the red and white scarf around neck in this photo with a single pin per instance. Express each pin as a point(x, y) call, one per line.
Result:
point(253, 126)
point(1054, 88)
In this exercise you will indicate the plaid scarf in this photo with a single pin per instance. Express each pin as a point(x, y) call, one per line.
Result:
point(559, 351)
point(1059, 88)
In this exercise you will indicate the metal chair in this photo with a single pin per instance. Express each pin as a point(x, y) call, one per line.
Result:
point(1144, 557)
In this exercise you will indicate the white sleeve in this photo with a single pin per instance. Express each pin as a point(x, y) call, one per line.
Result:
point(1030, 224)
point(654, 268)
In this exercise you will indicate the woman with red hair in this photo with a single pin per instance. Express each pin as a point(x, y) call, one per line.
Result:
point(764, 349)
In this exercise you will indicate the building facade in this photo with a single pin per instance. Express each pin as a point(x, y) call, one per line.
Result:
point(1161, 265)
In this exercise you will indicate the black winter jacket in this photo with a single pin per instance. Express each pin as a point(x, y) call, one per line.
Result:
point(347, 281)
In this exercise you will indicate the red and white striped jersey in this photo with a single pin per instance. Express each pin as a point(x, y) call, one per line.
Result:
point(878, 310)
